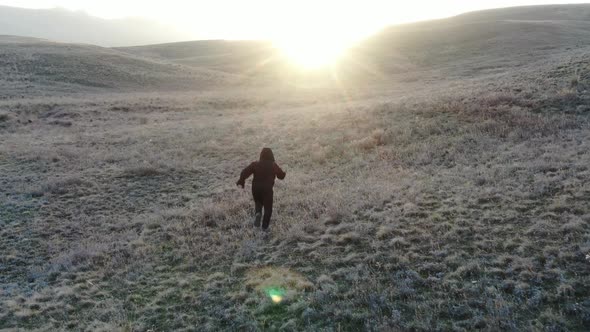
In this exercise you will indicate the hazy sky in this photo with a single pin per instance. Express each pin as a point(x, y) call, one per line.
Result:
point(253, 19)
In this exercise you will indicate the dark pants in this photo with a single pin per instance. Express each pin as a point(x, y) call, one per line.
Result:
point(263, 198)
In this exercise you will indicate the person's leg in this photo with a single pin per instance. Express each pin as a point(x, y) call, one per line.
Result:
point(267, 202)
point(258, 215)
point(258, 199)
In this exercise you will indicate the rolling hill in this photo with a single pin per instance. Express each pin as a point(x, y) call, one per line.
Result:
point(77, 27)
point(573, 12)
point(31, 66)
point(480, 42)
point(473, 45)
point(249, 58)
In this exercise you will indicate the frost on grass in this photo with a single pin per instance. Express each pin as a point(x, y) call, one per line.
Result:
point(414, 205)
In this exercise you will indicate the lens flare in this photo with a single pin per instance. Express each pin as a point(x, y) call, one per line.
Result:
point(276, 294)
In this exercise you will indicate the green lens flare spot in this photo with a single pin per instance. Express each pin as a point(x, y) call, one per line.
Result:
point(276, 294)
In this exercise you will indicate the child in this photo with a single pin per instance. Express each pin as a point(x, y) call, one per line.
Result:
point(265, 170)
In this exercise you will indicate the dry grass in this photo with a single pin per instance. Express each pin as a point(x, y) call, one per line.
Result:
point(423, 214)
point(455, 205)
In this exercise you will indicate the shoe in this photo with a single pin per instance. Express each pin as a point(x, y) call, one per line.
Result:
point(257, 219)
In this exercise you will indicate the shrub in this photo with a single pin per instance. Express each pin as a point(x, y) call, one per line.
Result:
point(574, 80)
point(499, 98)
point(63, 186)
point(319, 153)
point(4, 117)
point(385, 231)
point(141, 171)
point(376, 138)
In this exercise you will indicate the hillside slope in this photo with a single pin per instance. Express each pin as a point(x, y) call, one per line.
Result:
point(32, 66)
point(482, 42)
point(77, 27)
point(466, 45)
point(573, 12)
point(437, 208)
point(257, 58)
point(479, 45)
point(204, 52)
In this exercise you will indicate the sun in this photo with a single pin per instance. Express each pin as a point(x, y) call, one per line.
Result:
point(317, 34)
point(313, 46)
point(311, 52)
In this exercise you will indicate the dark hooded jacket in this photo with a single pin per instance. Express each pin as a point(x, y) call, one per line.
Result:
point(264, 170)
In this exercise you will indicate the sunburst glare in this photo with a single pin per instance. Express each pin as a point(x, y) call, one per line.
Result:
point(312, 52)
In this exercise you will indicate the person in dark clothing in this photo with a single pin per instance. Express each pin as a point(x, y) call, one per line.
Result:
point(265, 170)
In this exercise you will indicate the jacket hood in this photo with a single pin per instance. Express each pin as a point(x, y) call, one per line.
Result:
point(266, 154)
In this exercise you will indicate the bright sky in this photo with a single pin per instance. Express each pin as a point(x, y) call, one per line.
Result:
point(293, 23)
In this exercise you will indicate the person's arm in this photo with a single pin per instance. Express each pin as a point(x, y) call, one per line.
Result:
point(279, 172)
point(246, 174)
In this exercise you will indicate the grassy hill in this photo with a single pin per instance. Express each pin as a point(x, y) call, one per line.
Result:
point(473, 44)
point(219, 54)
point(78, 27)
point(580, 12)
point(445, 189)
point(469, 45)
point(33, 66)
point(476, 45)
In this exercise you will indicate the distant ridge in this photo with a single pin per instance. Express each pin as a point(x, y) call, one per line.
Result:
point(573, 12)
point(77, 27)
point(36, 66)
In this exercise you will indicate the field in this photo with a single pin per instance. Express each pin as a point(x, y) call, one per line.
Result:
point(447, 193)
